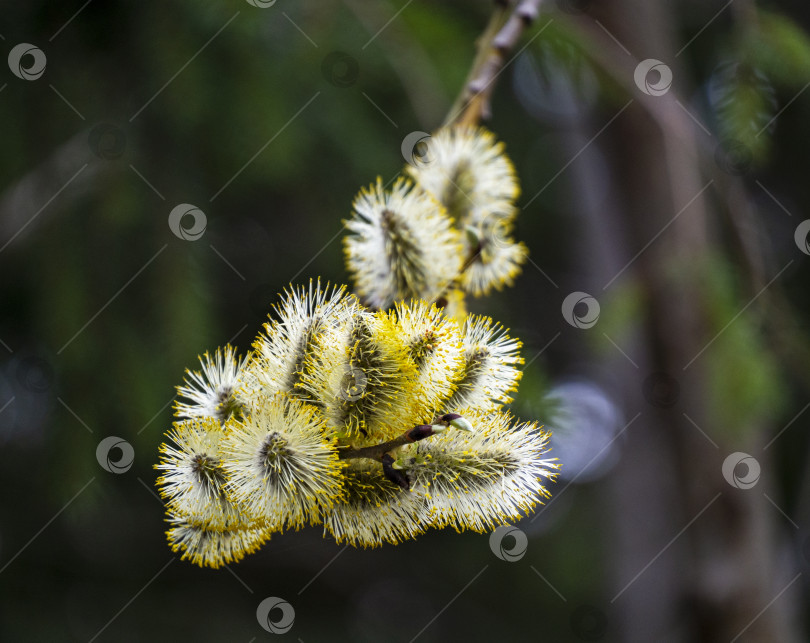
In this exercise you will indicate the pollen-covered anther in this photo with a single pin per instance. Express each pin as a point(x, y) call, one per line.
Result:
point(208, 469)
point(208, 547)
point(434, 342)
point(374, 510)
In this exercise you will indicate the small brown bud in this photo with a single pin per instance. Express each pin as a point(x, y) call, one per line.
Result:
point(397, 477)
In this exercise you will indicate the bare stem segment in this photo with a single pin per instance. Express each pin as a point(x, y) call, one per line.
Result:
point(378, 451)
point(499, 38)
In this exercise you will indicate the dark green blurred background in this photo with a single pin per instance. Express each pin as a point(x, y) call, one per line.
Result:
point(269, 120)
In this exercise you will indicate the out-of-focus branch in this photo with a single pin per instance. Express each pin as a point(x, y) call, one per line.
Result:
point(499, 38)
point(23, 201)
point(737, 210)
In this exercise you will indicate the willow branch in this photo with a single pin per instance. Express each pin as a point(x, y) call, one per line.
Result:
point(378, 451)
point(381, 452)
point(499, 38)
point(455, 282)
point(781, 320)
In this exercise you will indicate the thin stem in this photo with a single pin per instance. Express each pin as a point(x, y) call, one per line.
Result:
point(483, 46)
point(455, 283)
point(379, 451)
point(499, 38)
point(376, 451)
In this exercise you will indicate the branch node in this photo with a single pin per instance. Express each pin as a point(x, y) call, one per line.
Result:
point(394, 475)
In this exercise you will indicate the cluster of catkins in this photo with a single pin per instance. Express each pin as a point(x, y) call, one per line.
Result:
point(377, 421)
point(442, 233)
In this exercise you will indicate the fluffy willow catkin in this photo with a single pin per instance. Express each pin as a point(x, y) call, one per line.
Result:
point(281, 465)
point(362, 378)
point(402, 245)
point(445, 231)
point(301, 318)
point(275, 440)
point(481, 479)
point(469, 173)
point(374, 510)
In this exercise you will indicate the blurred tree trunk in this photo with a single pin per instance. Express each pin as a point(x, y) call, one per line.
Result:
point(696, 558)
